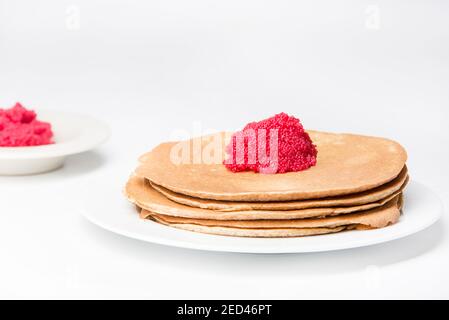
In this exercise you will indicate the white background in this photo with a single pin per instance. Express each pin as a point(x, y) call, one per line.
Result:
point(151, 67)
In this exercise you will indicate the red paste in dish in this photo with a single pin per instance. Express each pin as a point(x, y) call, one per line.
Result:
point(19, 127)
point(275, 145)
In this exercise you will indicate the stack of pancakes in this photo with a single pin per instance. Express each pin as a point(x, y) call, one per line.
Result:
point(357, 184)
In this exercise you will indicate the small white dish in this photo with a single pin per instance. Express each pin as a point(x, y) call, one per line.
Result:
point(109, 210)
point(73, 134)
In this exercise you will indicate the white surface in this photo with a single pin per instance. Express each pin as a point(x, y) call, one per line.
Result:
point(73, 134)
point(111, 212)
point(148, 68)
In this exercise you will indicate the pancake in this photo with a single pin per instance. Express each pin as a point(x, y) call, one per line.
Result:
point(370, 196)
point(254, 233)
point(141, 193)
point(401, 201)
point(375, 218)
point(346, 164)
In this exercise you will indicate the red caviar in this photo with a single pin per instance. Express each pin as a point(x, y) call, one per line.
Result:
point(275, 145)
point(19, 127)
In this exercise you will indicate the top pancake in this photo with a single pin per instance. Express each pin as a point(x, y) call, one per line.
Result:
point(346, 164)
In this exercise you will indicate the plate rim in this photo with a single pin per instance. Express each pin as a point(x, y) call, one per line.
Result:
point(330, 246)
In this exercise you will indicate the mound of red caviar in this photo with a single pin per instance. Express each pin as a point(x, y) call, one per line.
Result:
point(19, 127)
point(275, 145)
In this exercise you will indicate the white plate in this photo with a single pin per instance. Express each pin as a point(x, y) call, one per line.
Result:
point(73, 134)
point(111, 211)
